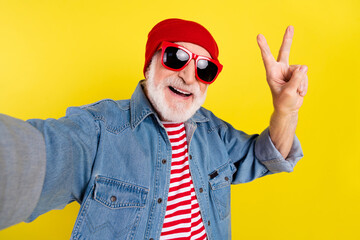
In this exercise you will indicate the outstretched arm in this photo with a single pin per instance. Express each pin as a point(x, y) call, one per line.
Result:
point(22, 169)
point(44, 164)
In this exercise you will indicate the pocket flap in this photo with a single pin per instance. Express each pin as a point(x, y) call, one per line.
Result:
point(114, 193)
point(222, 176)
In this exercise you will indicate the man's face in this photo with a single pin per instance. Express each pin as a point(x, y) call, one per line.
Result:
point(175, 95)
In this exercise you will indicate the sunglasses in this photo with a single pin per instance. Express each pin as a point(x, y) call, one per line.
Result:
point(175, 57)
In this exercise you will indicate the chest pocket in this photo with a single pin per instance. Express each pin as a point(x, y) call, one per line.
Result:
point(220, 183)
point(112, 211)
point(117, 194)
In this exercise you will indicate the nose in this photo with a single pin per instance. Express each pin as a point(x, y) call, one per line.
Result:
point(188, 73)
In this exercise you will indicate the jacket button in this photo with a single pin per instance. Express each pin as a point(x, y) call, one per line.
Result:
point(190, 156)
point(163, 161)
point(226, 179)
point(208, 223)
point(159, 200)
point(113, 198)
point(201, 190)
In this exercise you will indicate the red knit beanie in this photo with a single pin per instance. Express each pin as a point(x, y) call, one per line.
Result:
point(178, 30)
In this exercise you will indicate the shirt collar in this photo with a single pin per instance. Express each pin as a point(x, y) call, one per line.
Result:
point(140, 108)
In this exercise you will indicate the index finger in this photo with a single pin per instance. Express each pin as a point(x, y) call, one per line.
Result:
point(286, 45)
point(265, 51)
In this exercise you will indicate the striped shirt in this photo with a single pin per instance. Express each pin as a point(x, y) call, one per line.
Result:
point(182, 218)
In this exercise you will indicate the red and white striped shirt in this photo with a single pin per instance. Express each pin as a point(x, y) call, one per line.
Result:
point(182, 218)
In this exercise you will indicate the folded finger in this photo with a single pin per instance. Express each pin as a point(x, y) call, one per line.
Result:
point(305, 88)
point(297, 77)
point(291, 70)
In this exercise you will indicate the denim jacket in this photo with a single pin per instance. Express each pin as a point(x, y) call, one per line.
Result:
point(114, 158)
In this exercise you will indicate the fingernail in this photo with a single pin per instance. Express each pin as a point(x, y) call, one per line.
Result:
point(303, 68)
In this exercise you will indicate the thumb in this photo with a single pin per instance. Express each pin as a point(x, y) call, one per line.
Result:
point(297, 77)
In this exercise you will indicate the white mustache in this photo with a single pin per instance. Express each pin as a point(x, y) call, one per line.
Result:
point(177, 82)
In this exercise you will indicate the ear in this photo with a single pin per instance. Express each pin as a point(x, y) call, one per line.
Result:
point(152, 61)
point(147, 72)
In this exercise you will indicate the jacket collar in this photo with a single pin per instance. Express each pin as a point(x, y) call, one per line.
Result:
point(140, 108)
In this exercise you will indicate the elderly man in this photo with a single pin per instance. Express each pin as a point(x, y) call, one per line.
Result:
point(157, 166)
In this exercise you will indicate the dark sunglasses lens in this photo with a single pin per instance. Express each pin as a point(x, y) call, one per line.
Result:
point(206, 70)
point(175, 58)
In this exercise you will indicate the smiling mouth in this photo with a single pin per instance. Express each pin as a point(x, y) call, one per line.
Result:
point(179, 92)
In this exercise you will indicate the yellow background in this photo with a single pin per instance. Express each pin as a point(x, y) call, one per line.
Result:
point(56, 54)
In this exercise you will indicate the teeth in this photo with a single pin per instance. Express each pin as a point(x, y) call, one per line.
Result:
point(186, 93)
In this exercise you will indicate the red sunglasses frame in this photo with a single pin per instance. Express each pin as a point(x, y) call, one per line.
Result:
point(165, 44)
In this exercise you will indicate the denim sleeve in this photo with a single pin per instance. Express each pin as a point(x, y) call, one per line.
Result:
point(71, 145)
point(44, 164)
point(255, 155)
point(22, 169)
point(266, 152)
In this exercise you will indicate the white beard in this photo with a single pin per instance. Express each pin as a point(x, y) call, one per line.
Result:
point(179, 111)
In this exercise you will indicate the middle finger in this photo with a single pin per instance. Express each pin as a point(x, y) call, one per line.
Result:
point(284, 52)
